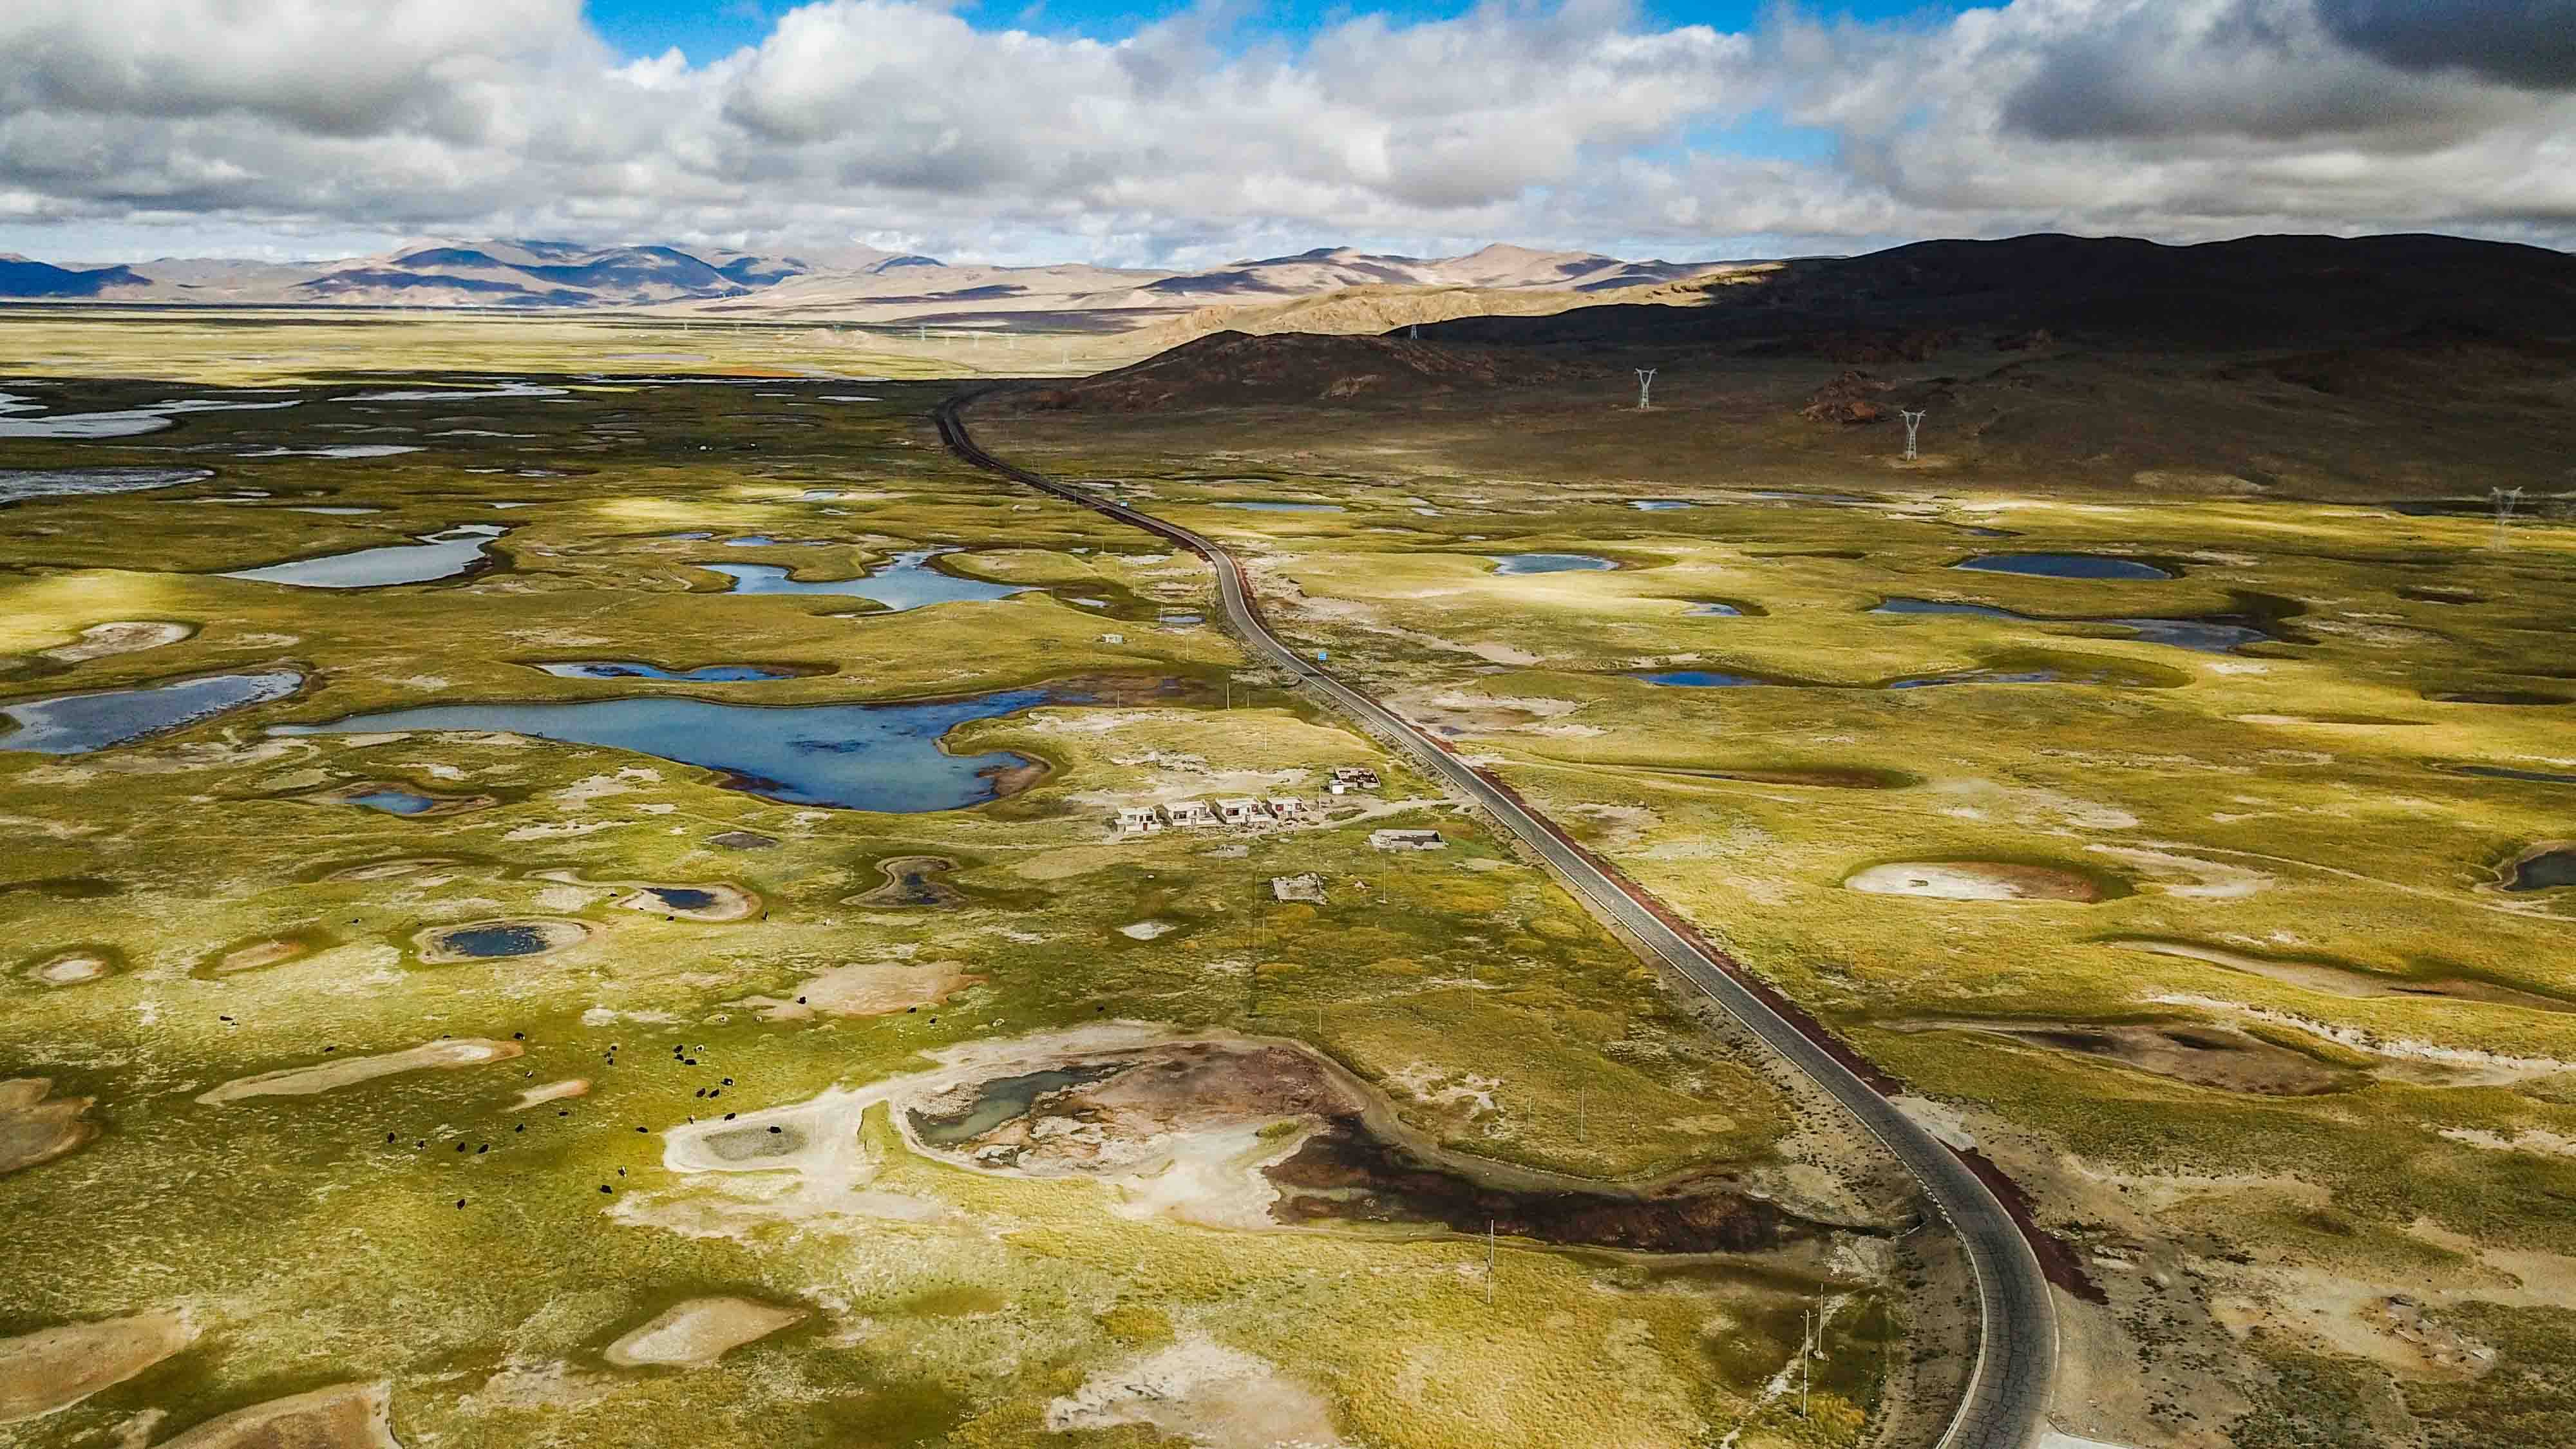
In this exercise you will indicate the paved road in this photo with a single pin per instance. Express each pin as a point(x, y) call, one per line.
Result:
point(2017, 1346)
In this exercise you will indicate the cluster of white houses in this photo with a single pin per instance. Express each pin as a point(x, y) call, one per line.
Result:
point(1200, 815)
point(1240, 810)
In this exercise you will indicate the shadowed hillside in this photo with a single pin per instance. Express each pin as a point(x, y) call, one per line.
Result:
point(2255, 292)
point(2285, 366)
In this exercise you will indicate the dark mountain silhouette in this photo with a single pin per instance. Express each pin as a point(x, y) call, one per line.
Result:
point(2254, 292)
point(20, 277)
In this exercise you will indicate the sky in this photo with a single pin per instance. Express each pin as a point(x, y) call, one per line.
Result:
point(1162, 133)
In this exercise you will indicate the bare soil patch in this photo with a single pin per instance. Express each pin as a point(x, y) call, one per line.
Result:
point(1974, 880)
point(344, 1416)
point(348, 1071)
point(1202, 1393)
point(2192, 1052)
point(697, 1333)
point(71, 968)
point(36, 1126)
point(867, 988)
point(55, 1368)
point(118, 636)
point(2337, 978)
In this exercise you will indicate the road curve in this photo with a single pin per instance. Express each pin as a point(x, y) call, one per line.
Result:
point(2008, 1391)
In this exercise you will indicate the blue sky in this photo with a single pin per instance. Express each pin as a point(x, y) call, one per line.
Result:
point(704, 30)
point(917, 125)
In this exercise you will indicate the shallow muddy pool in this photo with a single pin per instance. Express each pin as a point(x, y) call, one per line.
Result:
point(442, 555)
point(1549, 563)
point(881, 757)
point(1659, 505)
point(2508, 772)
point(2204, 634)
point(511, 388)
point(636, 669)
point(24, 417)
point(73, 724)
point(2065, 566)
point(17, 485)
point(2545, 870)
point(910, 581)
point(337, 450)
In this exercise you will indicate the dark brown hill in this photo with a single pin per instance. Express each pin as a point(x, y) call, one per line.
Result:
point(2253, 293)
point(1230, 369)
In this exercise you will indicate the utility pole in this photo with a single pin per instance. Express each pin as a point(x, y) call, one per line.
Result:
point(2506, 500)
point(1913, 425)
point(1645, 385)
point(1806, 1351)
point(1489, 1262)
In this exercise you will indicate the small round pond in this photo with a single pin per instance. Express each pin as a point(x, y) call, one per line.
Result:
point(1549, 563)
point(490, 940)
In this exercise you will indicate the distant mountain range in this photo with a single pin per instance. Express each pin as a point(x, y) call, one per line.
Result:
point(857, 284)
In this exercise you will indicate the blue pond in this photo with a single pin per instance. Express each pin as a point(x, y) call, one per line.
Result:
point(1712, 607)
point(1704, 679)
point(1659, 505)
point(883, 757)
point(2209, 634)
point(1265, 505)
point(682, 898)
point(393, 802)
point(494, 941)
point(435, 556)
point(908, 582)
point(2065, 566)
point(636, 669)
point(75, 724)
point(1549, 563)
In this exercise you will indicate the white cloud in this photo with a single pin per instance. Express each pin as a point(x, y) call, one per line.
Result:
point(1562, 124)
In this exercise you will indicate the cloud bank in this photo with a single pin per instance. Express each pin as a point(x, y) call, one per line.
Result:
point(1580, 123)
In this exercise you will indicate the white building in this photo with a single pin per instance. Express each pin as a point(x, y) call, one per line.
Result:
point(1407, 840)
point(1189, 814)
point(1241, 810)
point(1284, 807)
point(1137, 820)
point(1347, 778)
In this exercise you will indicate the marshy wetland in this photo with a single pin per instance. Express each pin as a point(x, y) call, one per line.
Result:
point(399, 978)
point(2235, 924)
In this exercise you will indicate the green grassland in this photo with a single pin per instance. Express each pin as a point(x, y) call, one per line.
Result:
point(317, 1239)
point(2292, 802)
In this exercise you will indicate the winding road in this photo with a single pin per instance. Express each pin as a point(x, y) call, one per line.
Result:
point(2008, 1390)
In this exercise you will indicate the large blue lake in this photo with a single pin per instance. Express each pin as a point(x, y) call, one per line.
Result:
point(883, 757)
